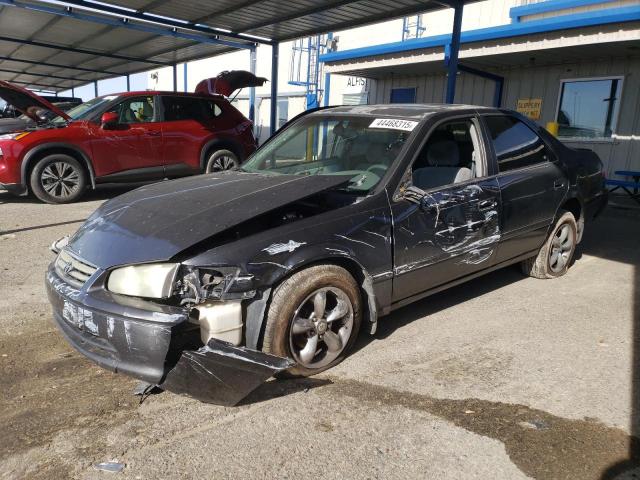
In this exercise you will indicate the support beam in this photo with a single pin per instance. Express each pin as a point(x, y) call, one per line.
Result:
point(327, 81)
point(161, 20)
point(273, 118)
point(128, 82)
point(453, 53)
point(497, 94)
point(95, 88)
point(124, 22)
point(58, 65)
point(252, 91)
point(174, 70)
point(73, 92)
point(50, 87)
point(185, 77)
point(44, 75)
point(81, 50)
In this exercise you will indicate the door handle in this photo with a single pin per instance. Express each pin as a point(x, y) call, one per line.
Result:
point(558, 184)
point(154, 133)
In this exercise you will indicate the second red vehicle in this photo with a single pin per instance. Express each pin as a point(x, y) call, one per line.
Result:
point(127, 137)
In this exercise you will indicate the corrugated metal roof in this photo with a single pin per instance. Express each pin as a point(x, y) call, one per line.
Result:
point(98, 29)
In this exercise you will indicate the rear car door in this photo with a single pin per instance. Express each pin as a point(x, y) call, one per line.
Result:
point(135, 143)
point(454, 229)
point(188, 122)
point(532, 183)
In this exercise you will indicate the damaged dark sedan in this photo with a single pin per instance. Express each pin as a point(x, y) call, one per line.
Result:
point(209, 285)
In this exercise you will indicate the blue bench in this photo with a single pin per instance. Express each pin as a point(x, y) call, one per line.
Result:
point(626, 184)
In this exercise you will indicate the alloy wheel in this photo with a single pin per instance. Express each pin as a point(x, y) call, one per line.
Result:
point(222, 163)
point(562, 247)
point(60, 180)
point(321, 327)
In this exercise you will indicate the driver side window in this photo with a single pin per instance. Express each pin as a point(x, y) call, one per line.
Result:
point(450, 155)
point(135, 110)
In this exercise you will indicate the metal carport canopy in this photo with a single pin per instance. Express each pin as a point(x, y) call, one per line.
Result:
point(57, 45)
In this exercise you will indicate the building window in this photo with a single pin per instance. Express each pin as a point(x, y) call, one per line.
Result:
point(355, 98)
point(403, 95)
point(589, 108)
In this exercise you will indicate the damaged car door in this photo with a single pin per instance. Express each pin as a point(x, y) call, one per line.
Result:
point(446, 213)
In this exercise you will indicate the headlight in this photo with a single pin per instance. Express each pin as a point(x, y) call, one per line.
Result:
point(14, 136)
point(151, 281)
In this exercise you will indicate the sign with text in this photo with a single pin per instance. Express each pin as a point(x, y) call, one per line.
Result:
point(530, 107)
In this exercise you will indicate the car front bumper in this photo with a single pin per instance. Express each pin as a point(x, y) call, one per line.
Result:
point(157, 345)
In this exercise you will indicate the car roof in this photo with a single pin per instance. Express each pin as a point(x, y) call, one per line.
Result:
point(413, 110)
point(162, 92)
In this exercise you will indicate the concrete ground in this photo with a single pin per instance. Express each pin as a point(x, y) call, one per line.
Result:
point(505, 377)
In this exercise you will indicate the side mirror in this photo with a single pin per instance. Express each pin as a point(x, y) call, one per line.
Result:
point(109, 120)
point(419, 197)
point(414, 195)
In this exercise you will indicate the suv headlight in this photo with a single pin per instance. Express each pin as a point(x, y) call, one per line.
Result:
point(14, 136)
point(154, 280)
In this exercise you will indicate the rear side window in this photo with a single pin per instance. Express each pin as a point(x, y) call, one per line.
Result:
point(211, 109)
point(189, 108)
point(515, 144)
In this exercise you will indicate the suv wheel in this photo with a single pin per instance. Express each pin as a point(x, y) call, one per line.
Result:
point(314, 318)
point(58, 178)
point(554, 258)
point(221, 160)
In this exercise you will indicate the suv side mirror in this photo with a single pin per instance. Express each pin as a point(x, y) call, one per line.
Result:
point(109, 120)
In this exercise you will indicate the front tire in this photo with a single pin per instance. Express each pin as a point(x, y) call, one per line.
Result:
point(554, 258)
point(58, 178)
point(314, 318)
point(221, 160)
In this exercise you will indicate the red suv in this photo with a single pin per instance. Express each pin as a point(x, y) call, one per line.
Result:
point(134, 136)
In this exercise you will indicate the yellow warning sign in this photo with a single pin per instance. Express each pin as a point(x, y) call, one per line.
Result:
point(530, 107)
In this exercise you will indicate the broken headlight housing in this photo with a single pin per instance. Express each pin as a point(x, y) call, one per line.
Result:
point(189, 285)
point(198, 284)
point(155, 280)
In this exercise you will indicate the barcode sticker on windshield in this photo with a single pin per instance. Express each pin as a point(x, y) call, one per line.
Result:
point(393, 124)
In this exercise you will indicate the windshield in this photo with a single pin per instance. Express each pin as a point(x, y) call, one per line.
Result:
point(360, 146)
point(86, 109)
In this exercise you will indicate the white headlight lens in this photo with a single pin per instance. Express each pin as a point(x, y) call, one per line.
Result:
point(151, 281)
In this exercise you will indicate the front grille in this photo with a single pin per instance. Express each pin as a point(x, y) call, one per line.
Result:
point(73, 269)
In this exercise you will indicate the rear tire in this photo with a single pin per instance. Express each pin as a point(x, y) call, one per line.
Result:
point(221, 160)
point(555, 256)
point(323, 288)
point(58, 178)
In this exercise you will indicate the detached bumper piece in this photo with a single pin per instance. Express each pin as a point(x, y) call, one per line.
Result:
point(221, 373)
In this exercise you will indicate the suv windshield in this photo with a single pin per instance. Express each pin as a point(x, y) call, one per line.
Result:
point(363, 147)
point(85, 110)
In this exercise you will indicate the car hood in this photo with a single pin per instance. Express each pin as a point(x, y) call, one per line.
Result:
point(10, 125)
point(23, 100)
point(157, 222)
point(228, 82)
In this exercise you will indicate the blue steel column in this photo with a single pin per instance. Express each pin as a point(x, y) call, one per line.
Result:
point(252, 91)
point(128, 83)
point(327, 78)
point(73, 92)
point(453, 54)
point(95, 88)
point(274, 88)
point(186, 77)
point(175, 77)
